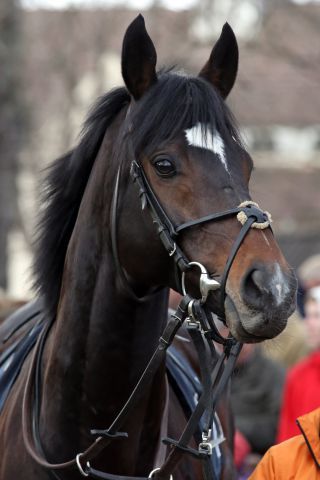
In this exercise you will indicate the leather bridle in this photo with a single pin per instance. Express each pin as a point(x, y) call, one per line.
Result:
point(202, 329)
point(168, 232)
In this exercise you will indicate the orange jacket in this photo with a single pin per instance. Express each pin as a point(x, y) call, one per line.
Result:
point(297, 458)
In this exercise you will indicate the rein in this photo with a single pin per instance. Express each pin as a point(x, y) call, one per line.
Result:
point(202, 330)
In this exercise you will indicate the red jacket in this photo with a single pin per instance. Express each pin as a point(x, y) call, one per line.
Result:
point(301, 395)
point(295, 459)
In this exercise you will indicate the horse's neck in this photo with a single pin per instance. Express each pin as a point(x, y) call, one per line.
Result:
point(95, 356)
point(97, 349)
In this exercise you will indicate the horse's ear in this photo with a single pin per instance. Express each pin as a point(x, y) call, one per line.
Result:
point(139, 59)
point(222, 66)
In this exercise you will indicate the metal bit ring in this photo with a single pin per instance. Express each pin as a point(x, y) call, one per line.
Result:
point(206, 284)
point(83, 473)
point(151, 474)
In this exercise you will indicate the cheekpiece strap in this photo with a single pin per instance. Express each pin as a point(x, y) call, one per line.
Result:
point(165, 228)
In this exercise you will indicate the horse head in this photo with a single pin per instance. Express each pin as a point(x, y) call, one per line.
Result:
point(181, 133)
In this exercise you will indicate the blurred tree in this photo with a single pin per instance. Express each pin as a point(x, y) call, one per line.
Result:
point(11, 125)
point(245, 16)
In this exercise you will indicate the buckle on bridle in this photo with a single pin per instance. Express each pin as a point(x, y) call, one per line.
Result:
point(174, 249)
point(208, 443)
point(191, 321)
point(205, 447)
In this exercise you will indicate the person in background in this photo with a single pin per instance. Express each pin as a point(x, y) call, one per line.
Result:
point(308, 277)
point(309, 272)
point(297, 458)
point(302, 386)
point(256, 391)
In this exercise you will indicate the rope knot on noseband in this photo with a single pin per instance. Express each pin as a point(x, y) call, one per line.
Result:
point(250, 208)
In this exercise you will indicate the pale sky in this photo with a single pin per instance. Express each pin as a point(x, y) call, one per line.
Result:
point(136, 4)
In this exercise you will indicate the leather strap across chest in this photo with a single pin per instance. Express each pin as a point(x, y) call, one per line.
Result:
point(200, 323)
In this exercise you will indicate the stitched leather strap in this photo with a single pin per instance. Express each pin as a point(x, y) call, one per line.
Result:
point(176, 453)
point(103, 441)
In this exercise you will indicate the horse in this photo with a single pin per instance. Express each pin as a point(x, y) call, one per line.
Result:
point(103, 265)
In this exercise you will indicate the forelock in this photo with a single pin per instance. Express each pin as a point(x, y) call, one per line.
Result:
point(176, 103)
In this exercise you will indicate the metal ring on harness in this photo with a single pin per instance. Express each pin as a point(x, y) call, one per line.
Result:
point(156, 470)
point(85, 474)
point(206, 283)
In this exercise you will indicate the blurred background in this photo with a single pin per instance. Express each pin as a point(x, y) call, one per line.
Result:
point(57, 56)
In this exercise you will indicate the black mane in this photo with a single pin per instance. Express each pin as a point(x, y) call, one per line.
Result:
point(63, 190)
point(173, 104)
point(177, 102)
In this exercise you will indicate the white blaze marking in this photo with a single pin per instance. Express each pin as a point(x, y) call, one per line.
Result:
point(280, 284)
point(279, 288)
point(201, 137)
point(264, 236)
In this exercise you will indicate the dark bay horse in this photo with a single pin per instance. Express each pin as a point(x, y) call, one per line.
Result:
point(103, 273)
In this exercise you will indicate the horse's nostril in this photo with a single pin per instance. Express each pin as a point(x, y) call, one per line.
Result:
point(255, 287)
point(258, 278)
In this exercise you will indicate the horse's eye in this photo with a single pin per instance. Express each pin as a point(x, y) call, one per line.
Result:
point(164, 166)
